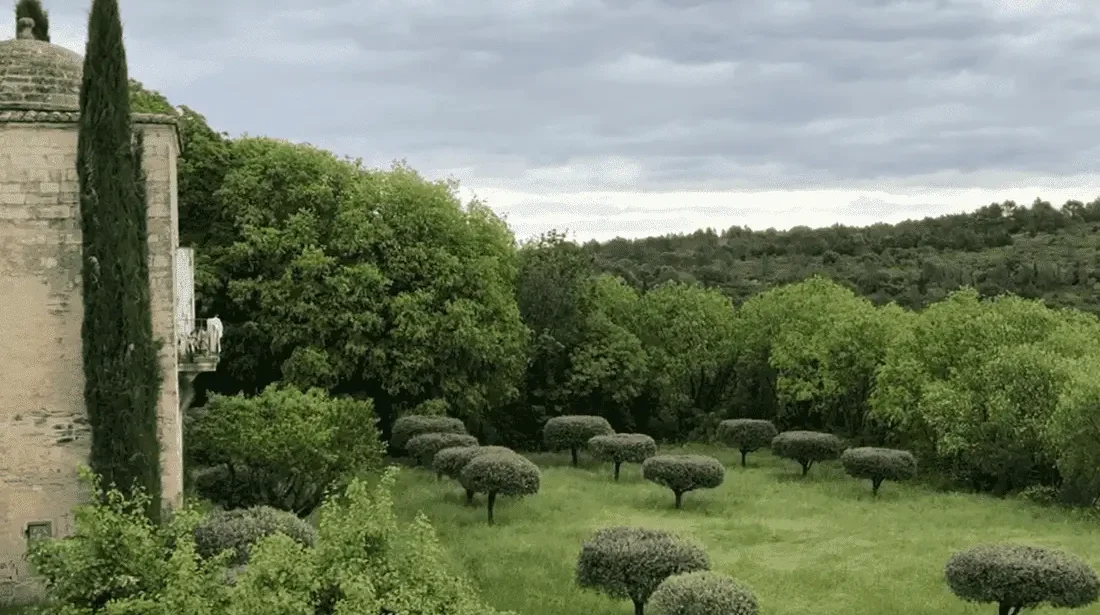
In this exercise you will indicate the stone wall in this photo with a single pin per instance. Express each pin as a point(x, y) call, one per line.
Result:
point(44, 435)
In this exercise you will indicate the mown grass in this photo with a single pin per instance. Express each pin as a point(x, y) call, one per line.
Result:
point(820, 545)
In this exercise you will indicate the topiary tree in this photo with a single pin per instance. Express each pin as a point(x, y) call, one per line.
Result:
point(451, 461)
point(500, 474)
point(807, 447)
point(879, 464)
point(746, 435)
point(632, 562)
point(411, 425)
point(683, 473)
point(41, 17)
point(1017, 577)
point(237, 530)
point(703, 593)
point(620, 448)
point(574, 432)
point(424, 447)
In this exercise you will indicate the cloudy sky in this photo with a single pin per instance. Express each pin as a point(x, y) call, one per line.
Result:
point(640, 117)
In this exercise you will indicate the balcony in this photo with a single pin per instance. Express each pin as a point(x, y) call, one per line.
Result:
point(199, 349)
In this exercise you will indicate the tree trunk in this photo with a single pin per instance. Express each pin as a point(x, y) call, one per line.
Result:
point(492, 501)
point(469, 497)
point(679, 499)
point(744, 453)
point(617, 464)
point(639, 608)
point(573, 451)
point(875, 484)
point(438, 476)
point(806, 467)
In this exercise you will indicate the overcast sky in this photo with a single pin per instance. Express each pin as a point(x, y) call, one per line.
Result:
point(633, 118)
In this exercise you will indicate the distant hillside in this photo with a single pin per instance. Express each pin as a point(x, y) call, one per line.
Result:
point(1039, 252)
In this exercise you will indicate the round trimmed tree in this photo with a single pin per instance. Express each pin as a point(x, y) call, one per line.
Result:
point(879, 464)
point(237, 530)
point(1017, 577)
point(703, 593)
point(807, 447)
point(620, 448)
point(632, 562)
point(500, 474)
point(683, 473)
point(746, 435)
point(450, 462)
point(573, 432)
point(424, 447)
point(411, 425)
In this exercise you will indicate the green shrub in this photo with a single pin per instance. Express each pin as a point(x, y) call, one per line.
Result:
point(409, 426)
point(574, 432)
point(746, 435)
point(879, 464)
point(703, 593)
point(620, 448)
point(450, 462)
point(632, 562)
point(807, 447)
point(237, 530)
point(282, 448)
point(424, 447)
point(1016, 577)
point(500, 474)
point(683, 473)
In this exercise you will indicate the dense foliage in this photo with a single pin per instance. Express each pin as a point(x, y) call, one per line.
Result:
point(703, 593)
point(1016, 577)
point(573, 432)
point(746, 435)
point(423, 448)
point(807, 447)
point(122, 376)
point(683, 473)
point(622, 448)
point(500, 473)
point(632, 562)
point(237, 530)
point(282, 448)
point(879, 464)
point(33, 9)
point(409, 426)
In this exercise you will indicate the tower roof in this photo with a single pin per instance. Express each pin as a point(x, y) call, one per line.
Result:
point(38, 76)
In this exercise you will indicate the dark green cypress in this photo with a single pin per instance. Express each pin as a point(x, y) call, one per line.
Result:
point(122, 376)
point(41, 17)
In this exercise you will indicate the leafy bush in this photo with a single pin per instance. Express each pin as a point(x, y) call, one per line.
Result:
point(450, 462)
point(1016, 577)
point(620, 448)
point(409, 426)
point(746, 435)
point(879, 464)
point(703, 593)
point(632, 562)
point(237, 530)
point(282, 448)
point(683, 473)
point(574, 432)
point(807, 447)
point(500, 474)
point(424, 447)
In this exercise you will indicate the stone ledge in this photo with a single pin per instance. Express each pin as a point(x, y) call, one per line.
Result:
point(27, 116)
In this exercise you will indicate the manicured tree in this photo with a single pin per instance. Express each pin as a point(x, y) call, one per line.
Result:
point(683, 473)
point(424, 447)
point(451, 461)
point(807, 447)
point(237, 530)
point(500, 474)
point(411, 425)
point(33, 9)
point(620, 448)
point(121, 372)
point(632, 562)
point(703, 593)
point(879, 464)
point(574, 432)
point(746, 435)
point(1018, 577)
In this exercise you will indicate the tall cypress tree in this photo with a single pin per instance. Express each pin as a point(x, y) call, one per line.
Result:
point(122, 376)
point(41, 17)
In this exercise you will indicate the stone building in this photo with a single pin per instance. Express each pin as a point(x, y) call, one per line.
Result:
point(44, 437)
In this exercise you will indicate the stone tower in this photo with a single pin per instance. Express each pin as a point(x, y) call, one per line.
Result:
point(44, 436)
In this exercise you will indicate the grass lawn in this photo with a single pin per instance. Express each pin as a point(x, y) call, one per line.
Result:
point(819, 545)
